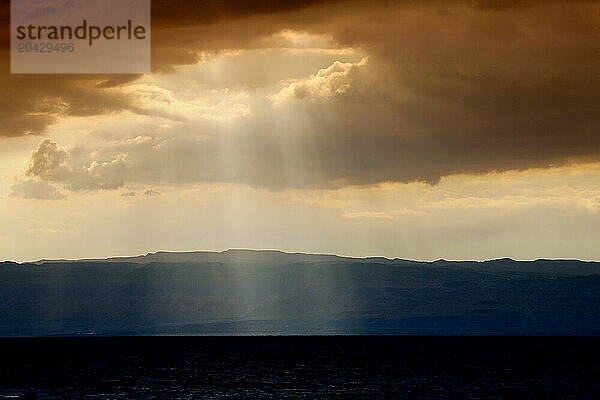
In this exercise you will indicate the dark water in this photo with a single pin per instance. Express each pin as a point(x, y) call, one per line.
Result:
point(301, 368)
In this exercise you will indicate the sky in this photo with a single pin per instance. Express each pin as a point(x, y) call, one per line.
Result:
point(413, 129)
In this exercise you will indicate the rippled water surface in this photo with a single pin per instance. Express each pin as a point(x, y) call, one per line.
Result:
point(300, 368)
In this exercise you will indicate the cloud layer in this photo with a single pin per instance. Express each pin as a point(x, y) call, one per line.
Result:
point(405, 91)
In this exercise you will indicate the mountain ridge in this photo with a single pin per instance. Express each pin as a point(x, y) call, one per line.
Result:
point(177, 256)
point(246, 292)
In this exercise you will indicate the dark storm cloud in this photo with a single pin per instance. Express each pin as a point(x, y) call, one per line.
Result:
point(169, 13)
point(29, 103)
point(86, 95)
point(450, 87)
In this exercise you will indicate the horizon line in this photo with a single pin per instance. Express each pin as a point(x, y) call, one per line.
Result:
point(116, 257)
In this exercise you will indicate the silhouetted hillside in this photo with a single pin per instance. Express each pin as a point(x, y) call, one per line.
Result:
point(271, 292)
